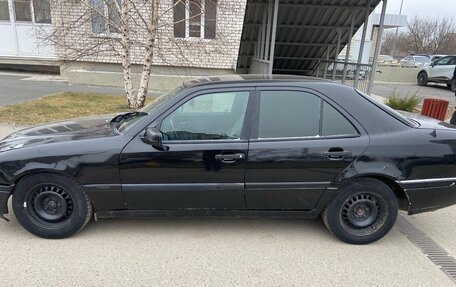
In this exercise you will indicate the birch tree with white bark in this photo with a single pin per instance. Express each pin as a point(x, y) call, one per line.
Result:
point(123, 26)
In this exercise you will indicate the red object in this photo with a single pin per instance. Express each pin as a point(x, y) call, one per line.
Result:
point(435, 108)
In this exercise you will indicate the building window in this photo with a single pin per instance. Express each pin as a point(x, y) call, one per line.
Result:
point(42, 11)
point(179, 18)
point(210, 19)
point(105, 16)
point(194, 19)
point(4, 10)
point(23, 10)
point(189, 22)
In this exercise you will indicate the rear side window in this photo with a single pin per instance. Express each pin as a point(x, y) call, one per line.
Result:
point(288, 114)
point(334, 123)
point(295, 114)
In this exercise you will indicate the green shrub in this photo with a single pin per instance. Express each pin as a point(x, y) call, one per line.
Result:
point(404, 103)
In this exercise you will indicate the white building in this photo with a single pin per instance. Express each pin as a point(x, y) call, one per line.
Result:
point(20, 23)
point(391, 21)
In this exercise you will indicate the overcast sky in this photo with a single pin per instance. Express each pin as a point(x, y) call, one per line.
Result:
point(422, 8)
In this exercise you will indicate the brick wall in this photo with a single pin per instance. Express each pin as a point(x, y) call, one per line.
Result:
point(76, 35)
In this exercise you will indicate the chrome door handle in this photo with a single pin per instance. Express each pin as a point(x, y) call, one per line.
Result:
point(229, 157)
point(336, 155)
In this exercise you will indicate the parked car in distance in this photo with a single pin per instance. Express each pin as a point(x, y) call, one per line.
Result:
point(235, 146)
point(414, 61)
point(387, 60)
point(351, 67)
point(439, 71)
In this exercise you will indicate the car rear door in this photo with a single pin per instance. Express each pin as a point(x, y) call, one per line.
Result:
point(300, 143)
point(204, 166)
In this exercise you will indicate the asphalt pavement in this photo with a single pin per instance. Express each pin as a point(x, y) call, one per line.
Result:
point(20, 87)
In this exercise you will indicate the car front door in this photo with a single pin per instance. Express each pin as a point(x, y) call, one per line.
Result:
point(442, 68)
point(300, 143)
point(203, 165)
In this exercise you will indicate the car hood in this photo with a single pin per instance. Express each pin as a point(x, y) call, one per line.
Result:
point(69, 130)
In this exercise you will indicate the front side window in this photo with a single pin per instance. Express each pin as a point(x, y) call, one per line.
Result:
point(293, 114)
point(213, 116)
point(453, 61)
point(197, 20)
point(443, 61)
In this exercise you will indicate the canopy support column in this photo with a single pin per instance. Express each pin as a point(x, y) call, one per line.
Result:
point(336, 54)
point(273, 35)
point(347, 51)
point(378, 45)
point(363, 41)
point(327, 60)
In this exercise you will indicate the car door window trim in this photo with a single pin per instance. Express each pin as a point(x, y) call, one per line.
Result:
point(245, 126)
point(306, 138)
point(323, 99)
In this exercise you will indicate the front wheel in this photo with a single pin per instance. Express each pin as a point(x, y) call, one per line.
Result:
point(363, 212)
point(422, 79)
point(51, 206)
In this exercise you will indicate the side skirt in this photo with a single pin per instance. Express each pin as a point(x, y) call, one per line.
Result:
point(214, 213)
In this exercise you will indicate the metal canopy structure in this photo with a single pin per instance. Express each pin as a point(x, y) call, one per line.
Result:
point(294, 36)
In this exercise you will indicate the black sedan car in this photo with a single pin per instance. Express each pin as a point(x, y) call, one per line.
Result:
point(238, 146)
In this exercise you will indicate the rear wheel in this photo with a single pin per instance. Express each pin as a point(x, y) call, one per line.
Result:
point(422, 79)
point(363, 212)
point(51, 206)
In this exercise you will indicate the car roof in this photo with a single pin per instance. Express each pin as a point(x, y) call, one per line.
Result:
point(251, 79)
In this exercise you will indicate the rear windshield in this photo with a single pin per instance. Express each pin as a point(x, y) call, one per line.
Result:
point(406, 120)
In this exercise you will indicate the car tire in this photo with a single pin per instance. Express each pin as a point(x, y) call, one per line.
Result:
point(51, 206)
point(422, 79)
point(453, 85)
point(363, 212)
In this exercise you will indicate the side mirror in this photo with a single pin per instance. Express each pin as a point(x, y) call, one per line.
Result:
point(432, 64)
point(154, 137)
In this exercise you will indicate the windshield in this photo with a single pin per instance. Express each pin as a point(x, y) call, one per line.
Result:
point(406, 120)
point(129, 122)
point(159, 101)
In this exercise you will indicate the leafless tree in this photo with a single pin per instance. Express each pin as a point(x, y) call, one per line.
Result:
point(127, 29)
point(430, 36)
point(387, 43)
point(423, 36)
